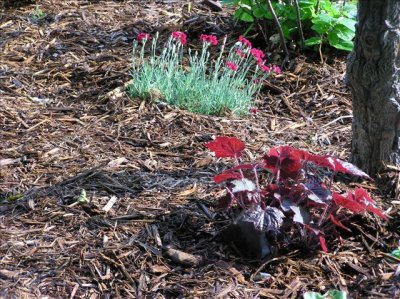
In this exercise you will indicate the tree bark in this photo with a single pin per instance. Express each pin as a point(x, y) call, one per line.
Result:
point(373, 72)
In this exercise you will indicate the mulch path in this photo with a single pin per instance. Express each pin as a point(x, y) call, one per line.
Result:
point(146, 171)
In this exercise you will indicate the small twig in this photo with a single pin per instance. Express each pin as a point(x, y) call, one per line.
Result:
point(337, 119)
point(299, 25)
point(317, 6)
point(278, 25)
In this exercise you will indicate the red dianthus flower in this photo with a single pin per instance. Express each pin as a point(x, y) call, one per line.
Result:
point(231, 65)
point(245, 41)
point(178, 35)
point(211, 39)
point(143, 36)
point(276, 69)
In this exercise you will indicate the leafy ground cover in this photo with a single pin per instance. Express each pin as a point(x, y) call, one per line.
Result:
point(146, 171)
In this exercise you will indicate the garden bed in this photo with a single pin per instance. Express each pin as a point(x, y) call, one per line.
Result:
point(63, 131)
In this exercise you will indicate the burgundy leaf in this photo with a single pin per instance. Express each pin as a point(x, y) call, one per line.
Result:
point(346, 167)
point(348, 202)
point(269, 219)
point(322, 161)
point(225, 202)
point(317, 192)
point(286, 159)
point(338, 223)
point(362, 197)
point(273, 219)
point(227, 175)
point(323, 243)
point(226, 147)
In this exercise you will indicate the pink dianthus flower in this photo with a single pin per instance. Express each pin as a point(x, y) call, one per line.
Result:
point(257, 54)
point(143, 36)
point(231, 65)
point(240, 53)
point(211, 39)
point(276, 69)
point(245, 41)
point(178, 35)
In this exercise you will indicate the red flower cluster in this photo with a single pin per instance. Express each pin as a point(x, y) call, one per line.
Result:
point(240, 53)
point(265, 68)
point(210, 39)
point(245, 41)
point(231, 65)
point(178, 35)
point(257, 54)
point(276, 69)
point(143, 36)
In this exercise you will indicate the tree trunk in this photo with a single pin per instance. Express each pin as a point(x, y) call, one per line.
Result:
point(373, 71)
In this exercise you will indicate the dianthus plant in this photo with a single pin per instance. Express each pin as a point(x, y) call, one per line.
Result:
point(291, 188)
point(195, 81)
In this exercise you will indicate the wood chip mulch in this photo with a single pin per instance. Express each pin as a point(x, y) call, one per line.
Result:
point(149, 229)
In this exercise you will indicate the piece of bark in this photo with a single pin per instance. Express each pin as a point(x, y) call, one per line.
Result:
point(215, 5)
point(181, 257)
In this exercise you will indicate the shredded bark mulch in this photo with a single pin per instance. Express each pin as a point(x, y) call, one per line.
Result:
point(151, 228)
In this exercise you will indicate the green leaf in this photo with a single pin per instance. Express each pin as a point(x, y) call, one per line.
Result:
point(348, 23)
point(288, 28)
point(259, 12)
point(244, 15)
point(331, 10)
point(333, 294)
point(313, 41)
point(323, 23)
point(396, 253)
point(230, 2)
point(339, 43)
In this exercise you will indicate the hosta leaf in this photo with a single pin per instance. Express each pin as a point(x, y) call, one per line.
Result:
point(226, 147)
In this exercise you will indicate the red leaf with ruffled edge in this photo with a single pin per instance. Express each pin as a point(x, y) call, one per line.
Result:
point(362, 197)
point(338, 223)
point(232, 172)
point(323, 243)
point(322, 161)
point(348, 203)
point(226, 147)
point(346, 167)
point(285, 158)
point(227, 175)
point(336, 165)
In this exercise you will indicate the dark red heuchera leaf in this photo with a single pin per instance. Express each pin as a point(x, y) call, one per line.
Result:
point(286, 159)
point(346, 167)
point(227, 175)
point(226, 147)
point(317, 192)
point(338, 223)
point(323, 243)
point(347, 203)
point(336, 165)
point(362, 197)
point(232, 173)
point(225, 201)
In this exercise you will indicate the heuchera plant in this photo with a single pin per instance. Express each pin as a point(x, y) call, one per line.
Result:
point(291, 185)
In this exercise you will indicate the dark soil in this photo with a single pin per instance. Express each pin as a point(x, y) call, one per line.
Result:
point(64, 129)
